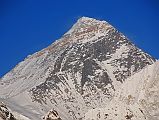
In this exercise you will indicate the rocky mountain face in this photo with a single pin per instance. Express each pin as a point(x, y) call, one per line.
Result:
point(5, 114)
point(52, 115)
point(90, 69)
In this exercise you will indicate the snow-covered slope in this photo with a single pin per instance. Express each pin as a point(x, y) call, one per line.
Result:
point(136, 99)
point(79, 72)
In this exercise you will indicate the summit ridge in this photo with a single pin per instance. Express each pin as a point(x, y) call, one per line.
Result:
point(87, 24)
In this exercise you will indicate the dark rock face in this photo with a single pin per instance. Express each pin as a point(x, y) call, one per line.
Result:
point(84, 57)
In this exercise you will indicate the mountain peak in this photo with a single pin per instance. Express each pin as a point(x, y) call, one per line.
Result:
point(87, 24)
point(88, 72)
point(86, 19)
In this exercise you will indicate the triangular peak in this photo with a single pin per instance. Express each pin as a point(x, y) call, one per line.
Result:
point(86, 24)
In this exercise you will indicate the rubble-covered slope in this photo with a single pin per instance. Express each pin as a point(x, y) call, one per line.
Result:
point(80, 71)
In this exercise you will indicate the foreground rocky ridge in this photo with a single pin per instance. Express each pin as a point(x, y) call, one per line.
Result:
point(5, 113)
point(78, 73)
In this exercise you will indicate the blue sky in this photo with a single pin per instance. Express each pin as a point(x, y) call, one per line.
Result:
point(27, 26)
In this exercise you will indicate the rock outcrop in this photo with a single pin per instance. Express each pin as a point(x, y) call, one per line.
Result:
point(52, 115)
point(5, 113)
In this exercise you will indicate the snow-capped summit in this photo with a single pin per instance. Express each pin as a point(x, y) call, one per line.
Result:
point(81, 73)
point(87, 24)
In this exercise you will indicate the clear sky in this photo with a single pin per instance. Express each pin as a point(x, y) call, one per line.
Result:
point(27, 26)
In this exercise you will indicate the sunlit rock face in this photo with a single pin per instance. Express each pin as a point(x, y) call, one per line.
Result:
point(80, 72)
